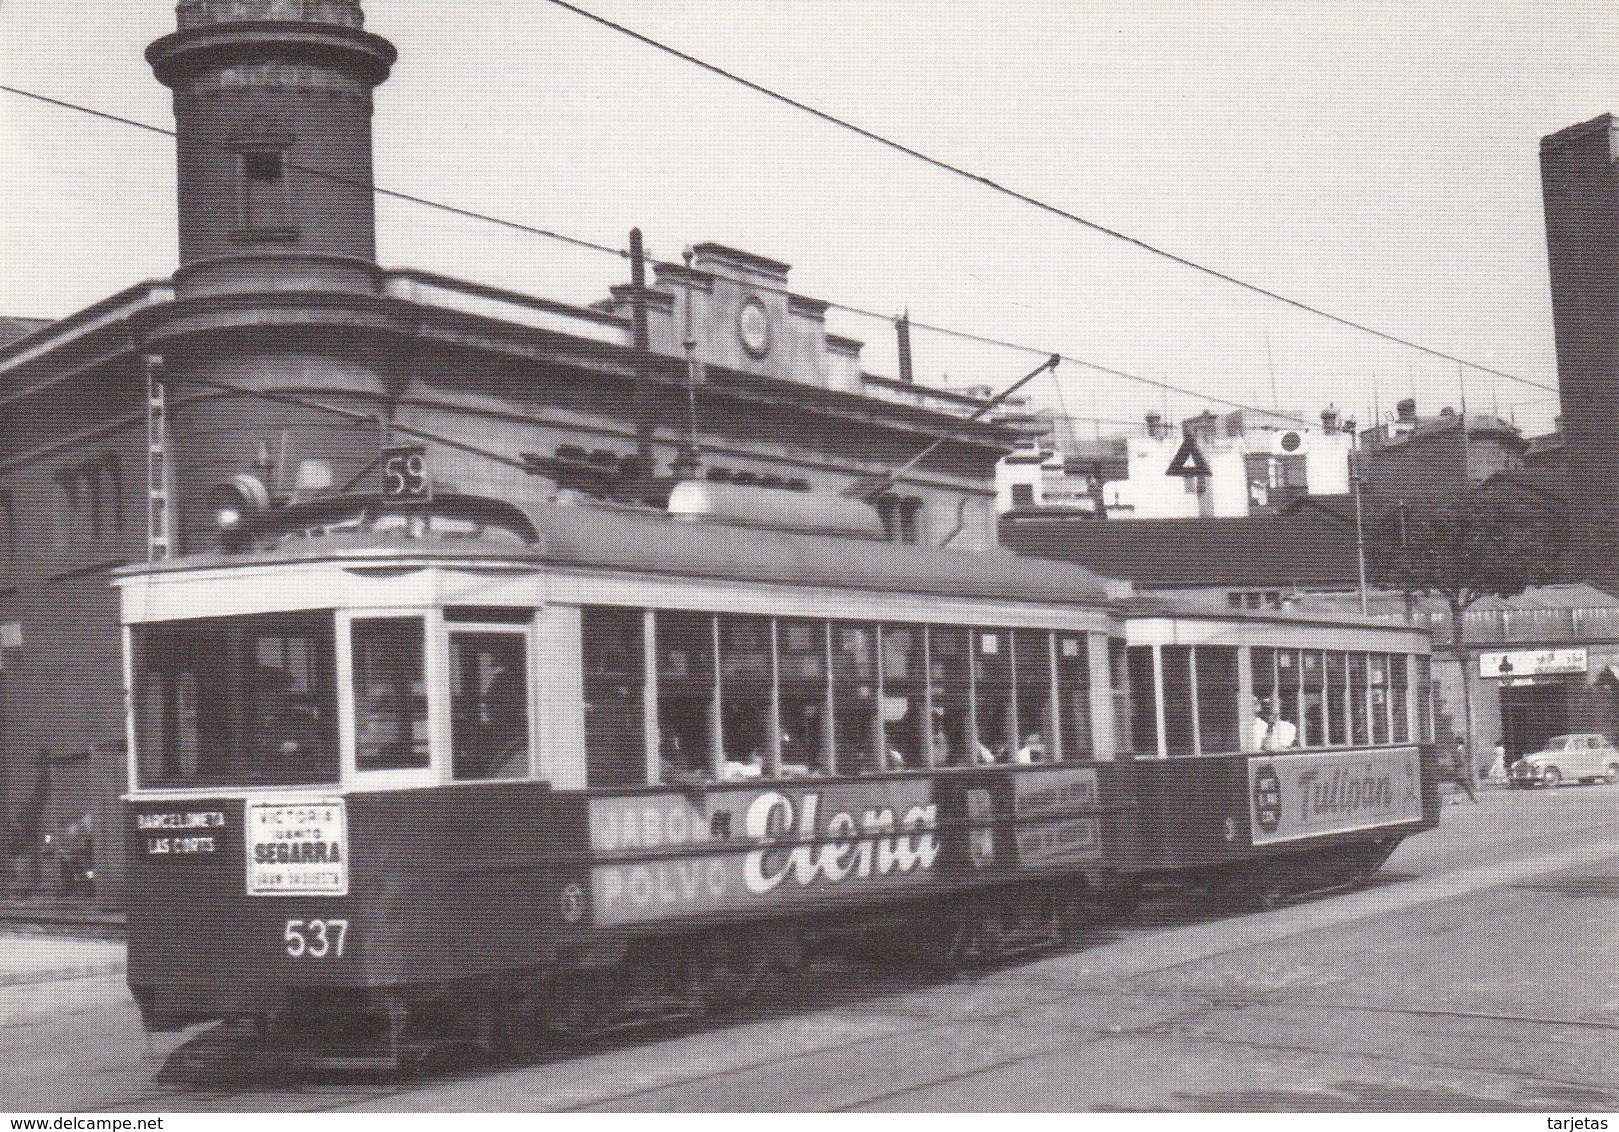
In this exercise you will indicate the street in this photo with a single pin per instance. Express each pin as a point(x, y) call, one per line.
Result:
point(1474, 975)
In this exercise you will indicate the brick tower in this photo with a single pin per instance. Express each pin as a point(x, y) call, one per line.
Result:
point(272, 108)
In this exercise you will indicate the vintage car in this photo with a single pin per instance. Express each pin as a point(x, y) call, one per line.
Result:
point(1588, 758)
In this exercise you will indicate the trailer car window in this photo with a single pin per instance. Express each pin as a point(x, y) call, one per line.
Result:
point(1219, 719)
point(1399, 699)
point(904, 736)
point(993, 704)
point(1179, 724)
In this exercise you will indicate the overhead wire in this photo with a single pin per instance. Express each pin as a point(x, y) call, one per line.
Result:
point(335, 178)
point(1033, 201)
point(534, 230)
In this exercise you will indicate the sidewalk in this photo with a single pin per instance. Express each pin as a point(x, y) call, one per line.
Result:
point(36, 957)
point(50, 911)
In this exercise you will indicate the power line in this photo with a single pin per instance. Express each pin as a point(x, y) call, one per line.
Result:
point(1035, 201)
point(532, 230)
point(335, 178)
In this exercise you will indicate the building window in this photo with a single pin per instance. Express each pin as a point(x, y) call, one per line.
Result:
point(1023, 495)
point(900, 514)
point(264, 211)
point(90, 501)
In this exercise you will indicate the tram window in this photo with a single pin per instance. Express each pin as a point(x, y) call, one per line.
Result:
point(488, 705)
point(1425, 699)
point(1312, 699)
point(1359, 734)
point(951, 733)
point(1337, 699)
point(1124, 716)
point(1143, 701)
point(1263, 663)
point(1219, 718)
point(801, 656)
point(904, 737)
point(1073, 689)
point(390, 694)
point(747, 672)
point(1284, 727)
point(856, 733)
point(1036, 735)
point(685, 651)
point(1379, 673)
point(1399, 700)
point(993, 703)
point(613, 677)
point(236, 700)
point(1178, 694)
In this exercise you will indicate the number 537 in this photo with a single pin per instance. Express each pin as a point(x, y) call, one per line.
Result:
point(315, 939)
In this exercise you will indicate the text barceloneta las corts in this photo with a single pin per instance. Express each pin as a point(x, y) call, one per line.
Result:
point(843, 848)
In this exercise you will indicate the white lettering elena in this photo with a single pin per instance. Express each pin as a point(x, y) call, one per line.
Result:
point(842, 847)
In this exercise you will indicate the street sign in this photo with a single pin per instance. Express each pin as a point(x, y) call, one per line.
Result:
point(1188, 461)
point(1531, 662)
point(405, 478)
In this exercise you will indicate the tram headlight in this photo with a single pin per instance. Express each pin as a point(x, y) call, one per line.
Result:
point(236, 499)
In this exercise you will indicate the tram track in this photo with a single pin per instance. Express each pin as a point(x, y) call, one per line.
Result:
point(855, 1009)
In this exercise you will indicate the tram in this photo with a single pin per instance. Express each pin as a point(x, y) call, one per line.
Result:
point(472, 772)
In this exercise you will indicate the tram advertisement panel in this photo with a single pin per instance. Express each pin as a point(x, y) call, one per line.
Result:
point(1052, 825)
point(784, 844)
point(297, 848)
point(1306, 795)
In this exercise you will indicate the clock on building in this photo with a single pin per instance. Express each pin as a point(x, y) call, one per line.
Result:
point(753, 326)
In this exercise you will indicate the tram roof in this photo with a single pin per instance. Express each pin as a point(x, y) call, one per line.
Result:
point(587, 536)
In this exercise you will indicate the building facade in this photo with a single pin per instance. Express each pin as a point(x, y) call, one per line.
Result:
point(1211, 467)
point(280, 359)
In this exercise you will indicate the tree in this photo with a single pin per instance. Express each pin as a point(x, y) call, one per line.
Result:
point(1471, 546)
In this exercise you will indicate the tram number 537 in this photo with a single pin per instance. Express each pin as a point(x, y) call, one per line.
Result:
point(315, 939)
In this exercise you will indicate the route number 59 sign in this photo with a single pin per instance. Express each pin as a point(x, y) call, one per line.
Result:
point(405, 478)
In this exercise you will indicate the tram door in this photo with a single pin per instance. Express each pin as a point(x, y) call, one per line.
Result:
point(1532, 714)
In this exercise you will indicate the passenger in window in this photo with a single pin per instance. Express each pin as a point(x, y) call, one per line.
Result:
point(1033, 750)
point(1261, 727)
point(676, 764)
point(1284, 733)
point(751, 767)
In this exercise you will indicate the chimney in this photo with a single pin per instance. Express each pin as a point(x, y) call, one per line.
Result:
point(1155, 425)
point(902, 331)
point(1329, 420)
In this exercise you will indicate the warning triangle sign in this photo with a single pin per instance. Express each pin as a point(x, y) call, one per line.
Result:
point(1188, 461)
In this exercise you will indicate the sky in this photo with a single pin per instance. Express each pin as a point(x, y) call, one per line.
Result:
point(1378, 161)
